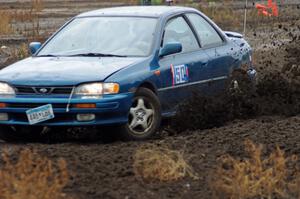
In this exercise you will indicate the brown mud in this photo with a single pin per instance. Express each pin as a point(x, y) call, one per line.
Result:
point(268, 115)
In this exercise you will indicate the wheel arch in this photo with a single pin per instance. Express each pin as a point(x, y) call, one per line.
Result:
point(149, 86)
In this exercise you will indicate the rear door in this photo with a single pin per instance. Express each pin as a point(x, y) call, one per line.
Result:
point(216, 48)
point(181, 73)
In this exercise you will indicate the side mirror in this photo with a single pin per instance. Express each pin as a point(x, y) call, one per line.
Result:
point(34, 47)
point(170, 48)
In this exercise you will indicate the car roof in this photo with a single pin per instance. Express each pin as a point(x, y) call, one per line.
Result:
point(142, 11)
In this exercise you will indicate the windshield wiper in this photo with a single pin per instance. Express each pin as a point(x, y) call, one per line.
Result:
point(96, 55)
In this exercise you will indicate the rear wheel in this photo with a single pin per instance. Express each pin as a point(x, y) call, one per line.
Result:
point(240, 82)
point(20, 133)
point(144, 116)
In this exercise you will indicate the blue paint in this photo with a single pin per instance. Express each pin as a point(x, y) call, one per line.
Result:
point(205, 67)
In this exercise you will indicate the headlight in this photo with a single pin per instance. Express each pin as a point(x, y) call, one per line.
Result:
point(97, 89)
point(6, 90)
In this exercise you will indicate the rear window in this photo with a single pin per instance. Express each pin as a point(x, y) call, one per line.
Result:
point(205, 31)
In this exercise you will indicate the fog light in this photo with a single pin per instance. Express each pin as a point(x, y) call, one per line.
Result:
point(85, 117)
point(3, 116)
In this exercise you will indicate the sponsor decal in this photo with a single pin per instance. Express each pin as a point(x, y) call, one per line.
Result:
point(180, 74)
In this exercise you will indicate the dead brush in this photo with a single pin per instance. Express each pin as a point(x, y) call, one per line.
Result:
point(255, 177)
point(155, 163)
point(225, 15)
point(5, 21)
point(32, 177)
point(37, 5)
point(20, 52)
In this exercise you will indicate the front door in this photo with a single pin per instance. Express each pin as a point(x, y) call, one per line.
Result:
point(181, 73)
point(217, 50)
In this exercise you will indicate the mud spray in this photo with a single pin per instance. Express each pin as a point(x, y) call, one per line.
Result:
point(276, 93)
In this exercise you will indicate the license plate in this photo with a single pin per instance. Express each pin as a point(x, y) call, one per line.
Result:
point(40, 114)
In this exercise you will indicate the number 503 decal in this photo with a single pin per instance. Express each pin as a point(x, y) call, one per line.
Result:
point(180, 74)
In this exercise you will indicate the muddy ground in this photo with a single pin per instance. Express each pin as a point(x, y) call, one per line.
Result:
point(103, 169)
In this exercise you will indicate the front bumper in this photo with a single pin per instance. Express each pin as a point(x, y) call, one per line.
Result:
point(111, 109)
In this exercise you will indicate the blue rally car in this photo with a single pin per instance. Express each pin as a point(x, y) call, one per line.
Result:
point(127, 67)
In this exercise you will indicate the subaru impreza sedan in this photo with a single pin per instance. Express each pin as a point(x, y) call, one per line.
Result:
point(126, 67)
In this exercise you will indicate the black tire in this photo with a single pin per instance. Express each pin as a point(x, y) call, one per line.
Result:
point(151, 101)
point(15, 134)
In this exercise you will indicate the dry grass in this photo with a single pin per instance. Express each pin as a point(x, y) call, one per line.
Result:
point(32, 177)
point(21, 52)
point(276, 176)
point(37, 5)
point(9, 17)
point(5, 21)
point(15, 53)
point(227, 17)
point(154, 163)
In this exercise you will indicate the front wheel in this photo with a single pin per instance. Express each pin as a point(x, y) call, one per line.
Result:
point(144, 116)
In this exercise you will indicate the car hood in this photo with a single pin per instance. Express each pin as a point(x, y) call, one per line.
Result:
point(63, 70)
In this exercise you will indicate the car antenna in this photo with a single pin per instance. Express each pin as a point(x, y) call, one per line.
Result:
point(69, 100)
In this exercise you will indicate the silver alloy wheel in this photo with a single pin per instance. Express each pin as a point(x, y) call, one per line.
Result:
point(141, 116)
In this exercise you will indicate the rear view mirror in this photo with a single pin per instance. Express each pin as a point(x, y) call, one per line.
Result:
point(170, 48)
point(34, 47)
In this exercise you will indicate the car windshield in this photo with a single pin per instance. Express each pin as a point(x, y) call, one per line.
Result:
point(103, 36)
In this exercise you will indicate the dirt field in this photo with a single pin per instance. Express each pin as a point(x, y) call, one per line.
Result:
point(103, 169)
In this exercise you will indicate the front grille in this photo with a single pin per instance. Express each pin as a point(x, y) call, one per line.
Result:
point(43, 90)
point(25, 90)
point(62, 90)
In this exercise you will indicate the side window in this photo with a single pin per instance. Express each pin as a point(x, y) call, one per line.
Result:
point(177, 30)
point(207, 34)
